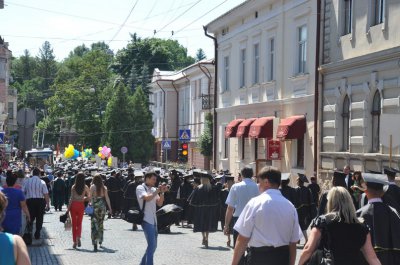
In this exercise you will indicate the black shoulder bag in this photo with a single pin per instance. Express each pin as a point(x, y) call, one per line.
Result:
point(323, 256)
point(135, 216)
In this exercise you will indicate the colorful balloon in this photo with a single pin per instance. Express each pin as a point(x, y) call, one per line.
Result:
point(109, 161)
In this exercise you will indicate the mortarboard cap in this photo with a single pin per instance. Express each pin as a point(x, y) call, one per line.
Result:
point(229, 178)
point(285, 176)
point(339, 174)
point(303, 177)
point(391, 172)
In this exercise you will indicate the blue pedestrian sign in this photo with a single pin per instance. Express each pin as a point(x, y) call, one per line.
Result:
point(184, 135)
point(2, 137)
point(166, 144)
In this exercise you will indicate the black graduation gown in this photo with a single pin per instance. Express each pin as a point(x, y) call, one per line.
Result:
point(206, 212)
point(315, 189)
point(130, 199)
point(114, 189)
point(59, 192)
point(392, 197)
point(384, 222)
point(289, 193)
point(223, 195)
point(305, 207)
point(185, 191)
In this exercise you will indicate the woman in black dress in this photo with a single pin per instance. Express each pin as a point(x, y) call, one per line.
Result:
point(205, 203)
point(349, 239)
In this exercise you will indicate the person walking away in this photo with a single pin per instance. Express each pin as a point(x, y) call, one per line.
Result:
point(205, 203)
point(37, 200)
point(306, 209)
point(341, 232)
point(239, 195)
point(315, 190)
point(153, 197)
point(185, 190)
point(99, 195)
point(131, 201)
point(114, 187)
point(337, 181)
point(59, 191)
point(382, 219)
point(287, 191)
point(13, 248)
point(79, 194)
point(268, 225)
point(223, 195)
point(16, 204)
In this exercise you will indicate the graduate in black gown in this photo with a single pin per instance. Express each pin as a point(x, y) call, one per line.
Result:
point(205, 203)
point(337, 181)
point(184, 192)
point(114, 189)
point(306, 210)
point(287, 191)
point(59, 191)
point(392, 193)
point(382, 219)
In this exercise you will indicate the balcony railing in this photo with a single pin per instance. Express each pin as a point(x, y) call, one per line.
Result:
point(207, 101)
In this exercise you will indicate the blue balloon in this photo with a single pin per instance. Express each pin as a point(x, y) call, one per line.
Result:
point(76, 154)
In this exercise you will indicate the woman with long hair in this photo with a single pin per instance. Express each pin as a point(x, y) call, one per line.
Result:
point(76, 207)
point(100, 199)
point(13, 248)
point(341, 231)
point(205, 203)
point(358, 188)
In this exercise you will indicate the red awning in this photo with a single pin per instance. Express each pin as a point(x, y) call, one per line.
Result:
point(244, 128)
point(262, 128)
point(292, 128)
point(231, 129)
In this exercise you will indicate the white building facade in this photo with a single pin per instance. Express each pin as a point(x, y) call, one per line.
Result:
point(180, 101)
point(361, 85)
point(266, 83)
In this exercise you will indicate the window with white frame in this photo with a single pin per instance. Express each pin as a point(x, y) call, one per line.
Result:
point(348, 16)
point(378, 12)
point(271, 59)
point(256, 74)
point(242, 67)
point(300, 153)
point(225, 86)
point(302, 50)
point(376, 114)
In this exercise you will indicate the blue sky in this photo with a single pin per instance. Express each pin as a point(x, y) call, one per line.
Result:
point(26, 24)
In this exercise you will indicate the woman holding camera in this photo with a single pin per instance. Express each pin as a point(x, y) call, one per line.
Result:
point(153, 197)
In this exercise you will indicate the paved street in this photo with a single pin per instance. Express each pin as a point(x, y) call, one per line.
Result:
point(123, 246)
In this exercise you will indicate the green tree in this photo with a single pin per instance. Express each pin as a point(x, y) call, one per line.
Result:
point(200, 55)
point(206, 138)
point(47, 67)
point(142, 139)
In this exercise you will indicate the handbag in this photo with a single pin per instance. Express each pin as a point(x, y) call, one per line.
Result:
point(63, 217)
point(135, 216)
point(89, 210)
point(27, 237)
point(323, 256)
point(68, 224)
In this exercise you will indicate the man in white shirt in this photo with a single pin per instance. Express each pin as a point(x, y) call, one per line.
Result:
point(239, 195)
point(268, 225)
point(152, 197)
point(37, 200)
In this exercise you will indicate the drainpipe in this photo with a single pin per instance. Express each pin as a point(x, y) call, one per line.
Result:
point(316, 92)
point(164, 109)
point(208, 75)
point(177, 109)
point(215, 96)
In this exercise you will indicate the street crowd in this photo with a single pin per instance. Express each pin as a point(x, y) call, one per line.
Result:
point(263, 217)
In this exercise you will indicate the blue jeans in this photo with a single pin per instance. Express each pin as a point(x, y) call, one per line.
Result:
point(151, 233)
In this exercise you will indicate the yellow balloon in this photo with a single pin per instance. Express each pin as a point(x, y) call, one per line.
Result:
point(109, 162)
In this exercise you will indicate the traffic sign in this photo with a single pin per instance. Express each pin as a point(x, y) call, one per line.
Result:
point(166, 144)
point(184, 135)
point(2, 137)
point(124, 150)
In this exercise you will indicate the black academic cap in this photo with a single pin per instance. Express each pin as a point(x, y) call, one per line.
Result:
point(391, 172)
point(303, 177)
point(227, 178)
point(339, 174)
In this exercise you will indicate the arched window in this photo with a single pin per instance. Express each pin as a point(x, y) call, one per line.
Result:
point(346, 123)
point(376, 113)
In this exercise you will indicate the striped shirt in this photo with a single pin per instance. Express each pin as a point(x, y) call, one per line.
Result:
point(35, 188)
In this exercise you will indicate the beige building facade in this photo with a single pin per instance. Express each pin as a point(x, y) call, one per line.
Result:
point(180, 101)
point(266, 83)
point(360, 101)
